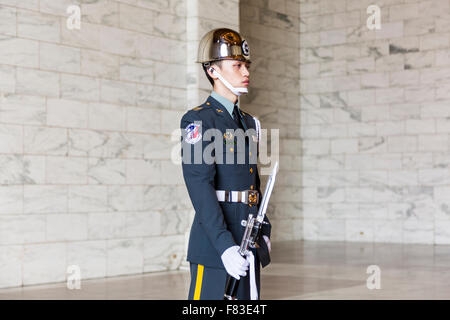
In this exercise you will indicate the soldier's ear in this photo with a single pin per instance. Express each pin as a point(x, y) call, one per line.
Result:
point(212, 70)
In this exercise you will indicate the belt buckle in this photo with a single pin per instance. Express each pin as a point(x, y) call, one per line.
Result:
point(252, 197)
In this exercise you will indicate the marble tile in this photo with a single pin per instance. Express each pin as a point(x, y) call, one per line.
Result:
point(104, 12)
point(90, 256)
point(42, 140)
point(163, 253)
point(79, 88)
point(117, 41)
point(11, 199)
point(171, 173)
point(124, 256)
point(16, 51)
point(106, 225)
point(118, 92)
point(12, 170)
point(121, 198)
point(66, 227)
point(174, 222)
point(86, 198)
point(99, 64)
point(442, 235)
point(23, 109)
point(143, 224)
point(67, 113)
point(172, 6)
point(66, 170)
point(8, 19)
point(11, 138)
point(158, 146)
point(56, 8)
point(418, 231)
point(103, 116)
point(160, 197)
point(145, 172)
point(44, 263)
point(34, 169)
point(169, 26)
point(59, 58)
point(152, 96)
point(106, 171)
point(88, 37)
point(145, 120)
point(39, 26)
point(139, 70)
point(10, 274)
point(44, 199)
point(19, 229)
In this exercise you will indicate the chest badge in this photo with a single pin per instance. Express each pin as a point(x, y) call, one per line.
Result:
point(229, 139)
point(228, 135)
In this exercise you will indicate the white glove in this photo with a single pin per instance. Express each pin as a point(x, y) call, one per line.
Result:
point(234, 263)
point(267, 240)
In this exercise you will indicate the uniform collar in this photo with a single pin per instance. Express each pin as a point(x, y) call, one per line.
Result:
point(229, 106)
point(223, 112)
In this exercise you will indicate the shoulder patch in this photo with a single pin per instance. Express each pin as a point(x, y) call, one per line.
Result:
point(193, 134)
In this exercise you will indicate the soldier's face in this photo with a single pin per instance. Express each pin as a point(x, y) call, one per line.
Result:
point(236, 72)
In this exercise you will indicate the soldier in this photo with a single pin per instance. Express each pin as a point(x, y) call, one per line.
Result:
point(223, 190)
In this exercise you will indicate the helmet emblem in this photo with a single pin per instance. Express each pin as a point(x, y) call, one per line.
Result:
point(245, 48)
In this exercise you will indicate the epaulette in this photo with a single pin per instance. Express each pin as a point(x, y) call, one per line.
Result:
point(200, 107)
point(244, 113)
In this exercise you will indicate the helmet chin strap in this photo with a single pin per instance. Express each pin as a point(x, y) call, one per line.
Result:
point(236, 91)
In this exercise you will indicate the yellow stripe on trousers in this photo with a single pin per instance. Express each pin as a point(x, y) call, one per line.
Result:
point(198, 283)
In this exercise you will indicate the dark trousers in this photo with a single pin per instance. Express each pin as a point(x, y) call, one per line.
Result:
point(209, 283)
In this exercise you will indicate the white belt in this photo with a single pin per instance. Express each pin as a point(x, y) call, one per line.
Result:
point(246, 196)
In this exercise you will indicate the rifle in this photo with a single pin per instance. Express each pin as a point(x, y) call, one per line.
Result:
point(251, 234)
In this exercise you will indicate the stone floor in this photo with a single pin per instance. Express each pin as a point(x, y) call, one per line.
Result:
point(299, 270)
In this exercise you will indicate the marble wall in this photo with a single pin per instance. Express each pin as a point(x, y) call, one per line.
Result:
point(86, 117)
point(375, 121)
point(272, 29)
point(89, 130)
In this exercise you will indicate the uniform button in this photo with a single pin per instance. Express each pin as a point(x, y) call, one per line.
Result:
point(251, 187)
point(231, 149)
point(251, 170)
point(208, 103)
